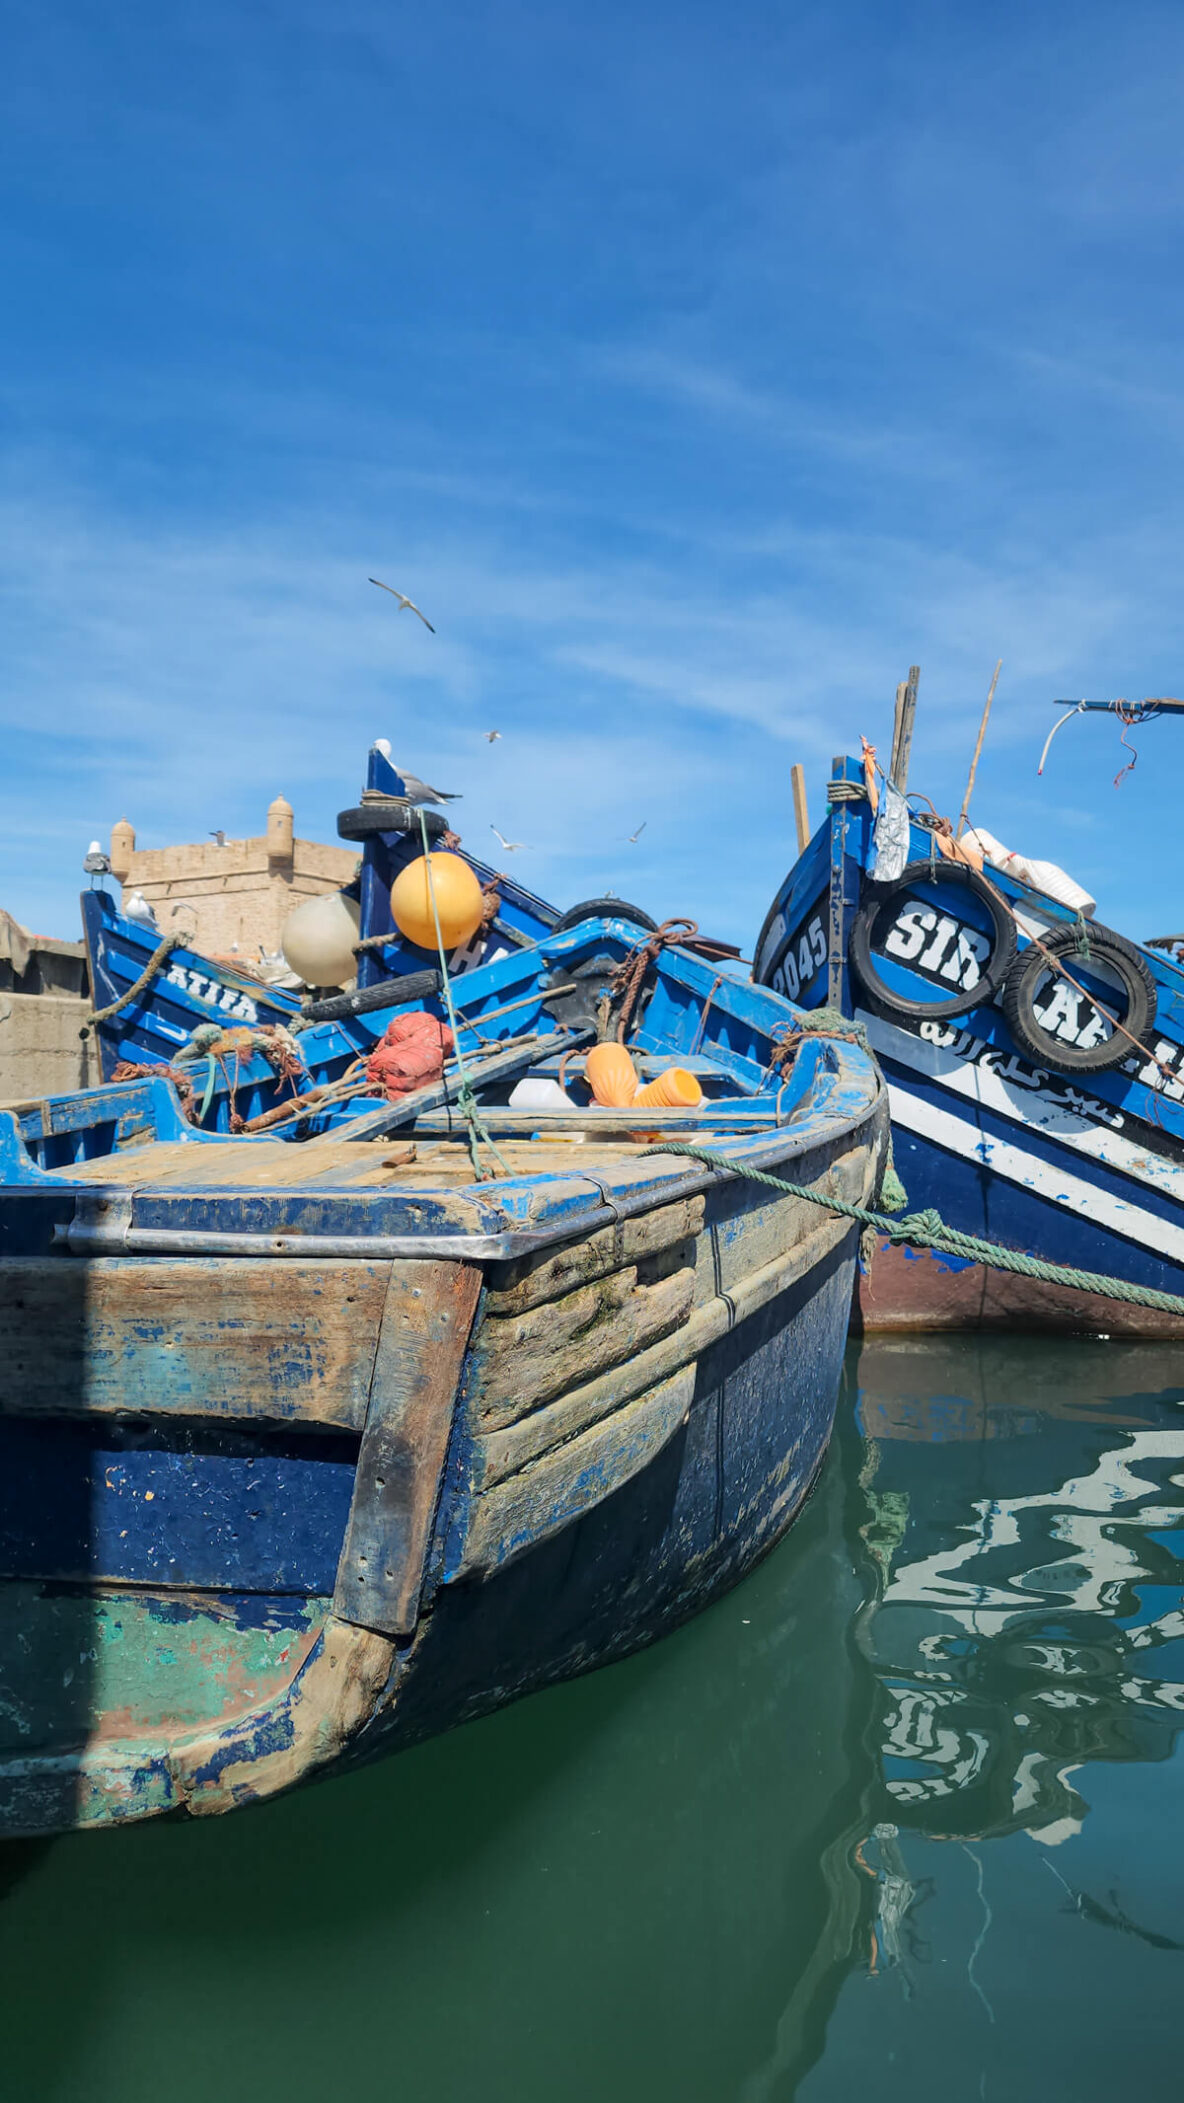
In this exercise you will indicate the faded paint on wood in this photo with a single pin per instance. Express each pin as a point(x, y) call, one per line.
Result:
point(424, 1335)
point(747, 1226)
point(524, 1360)
point(333, 1698)
point(225, 1337)
point(498, 1454)
point(533, 1279)
point(541, 1500)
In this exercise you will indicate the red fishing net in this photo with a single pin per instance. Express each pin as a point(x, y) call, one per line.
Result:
point(410, 1055)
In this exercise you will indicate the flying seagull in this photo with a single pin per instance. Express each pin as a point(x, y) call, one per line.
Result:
point(634, 837)
point(403, 601)
point(95, 862)
point(492, 736)
point(218, 837)
point(510, 846)
point(417, 791)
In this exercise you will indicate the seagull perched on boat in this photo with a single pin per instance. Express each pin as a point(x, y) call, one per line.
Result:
point(634, 837)
point(416, 791)
point(507, 846)
point(95, 862)
point(138, 909)
point(403, 600)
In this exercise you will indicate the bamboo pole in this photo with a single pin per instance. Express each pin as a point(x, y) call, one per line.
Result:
point(797, 775)
point(982, 731)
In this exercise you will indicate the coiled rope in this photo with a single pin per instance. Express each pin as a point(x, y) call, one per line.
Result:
point(928, 1230)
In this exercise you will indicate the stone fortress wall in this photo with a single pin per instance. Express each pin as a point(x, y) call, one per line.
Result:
point(239, 894)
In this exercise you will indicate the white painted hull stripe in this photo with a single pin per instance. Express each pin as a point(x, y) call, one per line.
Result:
point(1016, 1165)
point(1025, 1108)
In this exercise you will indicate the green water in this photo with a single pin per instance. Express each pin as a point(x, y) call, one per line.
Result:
point(901, 1817)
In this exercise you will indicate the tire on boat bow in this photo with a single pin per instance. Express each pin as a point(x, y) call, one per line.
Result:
point(1059, 1027)
point(875, 922)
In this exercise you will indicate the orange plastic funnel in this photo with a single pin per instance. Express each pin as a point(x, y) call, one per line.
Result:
point(675, 1089)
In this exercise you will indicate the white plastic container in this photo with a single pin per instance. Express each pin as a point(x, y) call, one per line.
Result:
point(540, 1092)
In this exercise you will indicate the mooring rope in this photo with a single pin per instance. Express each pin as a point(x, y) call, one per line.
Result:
point(163, 950)
point(928, 1230)
point(466, 1100)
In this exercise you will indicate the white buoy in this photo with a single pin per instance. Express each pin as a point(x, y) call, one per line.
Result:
point(318, 939)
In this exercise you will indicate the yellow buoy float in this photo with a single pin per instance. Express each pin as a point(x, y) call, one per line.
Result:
point(460, 901)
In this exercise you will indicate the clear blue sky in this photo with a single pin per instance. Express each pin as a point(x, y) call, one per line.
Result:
point(695, 368)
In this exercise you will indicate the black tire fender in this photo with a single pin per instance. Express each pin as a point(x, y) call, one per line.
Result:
point(882, 902)
point(392, 993)
point(1120, 957)
point(605, 909)
point(365, 821)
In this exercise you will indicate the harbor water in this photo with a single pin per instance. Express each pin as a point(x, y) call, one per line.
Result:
point(903, 1816)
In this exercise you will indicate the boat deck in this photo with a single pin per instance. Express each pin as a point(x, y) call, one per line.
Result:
point(341, 1162)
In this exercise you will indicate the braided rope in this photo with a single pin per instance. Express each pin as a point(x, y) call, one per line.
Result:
point(163, 950)
point(928, 1230)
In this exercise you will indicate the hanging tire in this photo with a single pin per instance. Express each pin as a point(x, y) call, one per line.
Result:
point(605, 909)
point(1121, 960)
point(366, 820)
point(875, 919)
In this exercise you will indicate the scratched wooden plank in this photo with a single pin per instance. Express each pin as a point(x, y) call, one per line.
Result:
point(290, 1341)
point(748, 1226)
point(515, 1286)
point(499, 1453)
point(425, 1328)
point(542, 1499)
point(523, 1360)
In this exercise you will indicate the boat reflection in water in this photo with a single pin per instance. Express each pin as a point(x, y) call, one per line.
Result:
point(1026, 1541)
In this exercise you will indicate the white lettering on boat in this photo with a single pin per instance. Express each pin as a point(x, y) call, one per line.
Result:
point(228, 1000)
point(803, 960)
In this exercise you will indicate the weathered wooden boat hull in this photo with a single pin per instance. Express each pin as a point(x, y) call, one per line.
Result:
point(642, 1500)
point(303, 1461)
point(1079, 1170)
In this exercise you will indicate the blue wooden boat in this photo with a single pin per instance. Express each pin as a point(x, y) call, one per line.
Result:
point(1034, 1061)
point(313, 1448)
point(186, 999)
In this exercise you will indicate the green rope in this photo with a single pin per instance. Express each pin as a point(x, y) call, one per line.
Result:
point(928, 1230)
point(466, 1100)
point(831, 1022)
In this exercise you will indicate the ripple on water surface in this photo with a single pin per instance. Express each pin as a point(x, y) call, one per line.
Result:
point(900, 1817)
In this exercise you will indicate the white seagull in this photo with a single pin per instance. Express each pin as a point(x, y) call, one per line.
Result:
point(138, 909)
point(508, 846)
point(218, 837)
point(634, 837)
point(403, 600)
point(416, 791)
point(95, 862)
point(491, 736)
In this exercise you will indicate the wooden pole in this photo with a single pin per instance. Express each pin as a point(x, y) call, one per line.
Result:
point(902, 736)
point(901, 691)
point(797, 775)
point(982, 731)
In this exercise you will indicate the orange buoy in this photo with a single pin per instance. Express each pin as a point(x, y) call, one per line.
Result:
point(675, 1089)
point(459, 901)
point(610, 1075)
